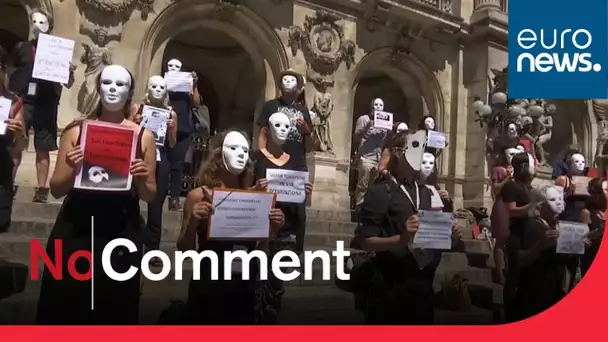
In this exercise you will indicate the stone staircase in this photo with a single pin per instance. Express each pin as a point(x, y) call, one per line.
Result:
point(324, 230)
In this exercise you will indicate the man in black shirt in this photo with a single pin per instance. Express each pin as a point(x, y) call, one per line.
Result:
point(41, 101)
point(299, 140)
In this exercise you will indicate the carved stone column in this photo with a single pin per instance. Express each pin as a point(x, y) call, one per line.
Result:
point(482, 5)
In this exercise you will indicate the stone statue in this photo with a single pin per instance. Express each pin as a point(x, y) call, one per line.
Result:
point(95, 56)
point(544, 132)
point(600, 111)
point(323, 105)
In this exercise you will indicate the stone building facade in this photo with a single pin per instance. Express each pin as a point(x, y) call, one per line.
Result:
point(420, 56)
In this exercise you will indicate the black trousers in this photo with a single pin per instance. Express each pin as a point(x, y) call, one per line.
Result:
point(155, 208)
point(6, 188)
point(176, 156)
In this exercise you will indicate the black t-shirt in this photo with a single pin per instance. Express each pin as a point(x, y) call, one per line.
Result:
point(22, 59)
point(513, 191)
point(295, 144)
point(180, 103)
point(293, 218)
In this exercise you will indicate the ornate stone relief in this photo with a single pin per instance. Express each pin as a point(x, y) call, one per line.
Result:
point(324, 47)
point(95, 57)
point(145, 7)
point(600, 111)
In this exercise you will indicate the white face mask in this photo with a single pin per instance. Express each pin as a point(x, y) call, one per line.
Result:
point(235, 152)
point(521, 149)
point(174, 65)
point(378, 105)
point(510, 153)
point(555, 198)
point(40, 24)
point(279, 127)
point(428, 165)
point(531, 165)
point(157, 88)
point(114, 88)
point(402, 127)
point(512, 130)
point(289, 83)
point(429, 123)
point(577, 163)
point(605, 186)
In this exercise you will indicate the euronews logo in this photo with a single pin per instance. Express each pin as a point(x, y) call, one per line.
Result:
point(563, 51)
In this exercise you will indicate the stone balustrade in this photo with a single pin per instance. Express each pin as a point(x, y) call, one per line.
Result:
point(500, 5)
point(448, 6)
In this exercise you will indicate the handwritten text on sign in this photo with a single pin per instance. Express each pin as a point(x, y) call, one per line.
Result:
point(290, 186)
point(435, 230)
point(53, 57)
point(571, 237)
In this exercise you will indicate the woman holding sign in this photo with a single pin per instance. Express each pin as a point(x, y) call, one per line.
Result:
point(92, 217)
point(271, 163)
point(12, 138)
point(402, 288)
point(166, 137)
point(221, 301)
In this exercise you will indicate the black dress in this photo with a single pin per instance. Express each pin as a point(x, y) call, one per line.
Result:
point(222, 302)
point(572, 212)
point(68, 301)
point(290, 237)
point(6, 175)
point(540, 283)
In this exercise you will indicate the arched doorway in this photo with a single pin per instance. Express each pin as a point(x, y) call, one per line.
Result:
point(14, 24)
point(408, 88)
point(236, 54)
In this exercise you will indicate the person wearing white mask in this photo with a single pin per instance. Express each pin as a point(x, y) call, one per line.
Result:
point(157, 96)
point(107, 215)
point(292, 103)
point(575, 201)
point(370, 142)
point(182, 104)
point(230, 301)
point(386, 151)
point(291, 237)
point(41, 101)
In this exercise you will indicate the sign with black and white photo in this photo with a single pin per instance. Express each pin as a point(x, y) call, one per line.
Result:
point(436, 140)
point(383, 120)
point(155, 119)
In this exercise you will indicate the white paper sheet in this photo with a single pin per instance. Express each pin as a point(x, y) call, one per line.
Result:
point(155, 119)
point(383, 120)
point(5, 112)
point(436, 202)
point(436, 139)
point(289, 185)
point(435, 230)
point(53, 57)
point(179, 81)
point(240, 215)
point(571, 237)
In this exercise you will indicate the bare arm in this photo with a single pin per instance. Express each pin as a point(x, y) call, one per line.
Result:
point(361, 127)
point(515, 211)
point(497, 186)
point(187, 235)
point(62, 180)
point(380, 244)
point(146, 188)
point(133, 113)
point(173, 132)
point(20, 140)
point(385, 158)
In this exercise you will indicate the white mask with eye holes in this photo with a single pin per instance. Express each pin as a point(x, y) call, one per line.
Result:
point(512, 130)
point(289, 83)
point(429, 123)
point(554, 195)
point(378, 105)
point(521, 149)
point(510, 153)
point(115, 87)
point(174, 65)
point(427, 166)
point(235, 152)
point(402, 127)
point(40, 24)
point(157, 88)
point(279, 127)
point(577, 164)
point(97, 174)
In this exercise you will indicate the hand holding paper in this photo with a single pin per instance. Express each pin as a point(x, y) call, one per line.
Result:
point(74, 158)
point(202, 210)
point(139, 168)
point(411, 227)
point(277, 219)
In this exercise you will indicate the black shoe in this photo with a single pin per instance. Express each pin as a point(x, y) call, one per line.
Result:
point(41, 195)
point(174, 204)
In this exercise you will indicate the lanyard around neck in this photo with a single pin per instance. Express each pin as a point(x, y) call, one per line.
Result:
point(409, 197)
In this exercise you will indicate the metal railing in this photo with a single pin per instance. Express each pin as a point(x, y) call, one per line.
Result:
point(447, 6)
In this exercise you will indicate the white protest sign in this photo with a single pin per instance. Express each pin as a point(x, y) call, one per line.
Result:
point(383, 120)
point(580, 185)
point(289, 185)
point(571, 237)
point(435, 230)
point(436, 140)
point(240, 214)
point(436, 201)
point(5, 111)
point(155, 119)
point(53, 57)
point(179, 81)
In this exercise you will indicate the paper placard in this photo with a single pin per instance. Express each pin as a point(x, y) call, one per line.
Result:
point(240, 214)
point(580, 185)
point(435, 230)
point(436, 201)
point(571, 237)
point(383, 120)
point(179, 81)
point(108, 152)
point(155, 119)
point(53, 57)
point(289, 185)
point(436, 140)
point(5, 113)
